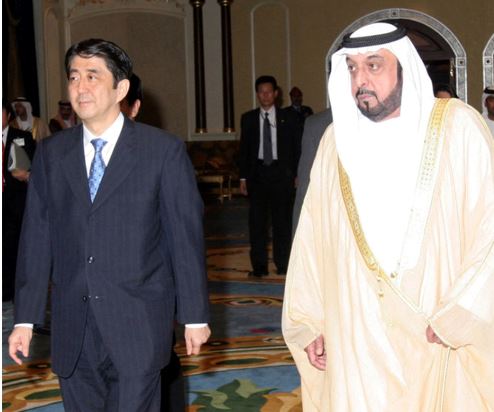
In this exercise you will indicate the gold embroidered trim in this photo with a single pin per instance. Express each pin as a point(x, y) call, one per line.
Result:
point(430, 156)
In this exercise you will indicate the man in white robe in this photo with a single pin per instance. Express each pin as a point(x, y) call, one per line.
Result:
point(25, 120)
point(488, 107)
point(389, 293)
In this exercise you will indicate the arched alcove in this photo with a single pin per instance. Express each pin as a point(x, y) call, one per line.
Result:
point(437, 45)
point(488, 62)
point(154, 35)
point(54, 76)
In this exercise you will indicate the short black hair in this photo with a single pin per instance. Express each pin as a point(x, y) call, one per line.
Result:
point(444, 87)
point(135, 90)
point(8, 109)
point(116, 59)
point(266, 79)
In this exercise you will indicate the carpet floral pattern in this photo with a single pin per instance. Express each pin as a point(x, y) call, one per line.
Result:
point(246, 365)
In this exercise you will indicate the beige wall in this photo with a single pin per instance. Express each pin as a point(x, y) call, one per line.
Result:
point(156, 46)
point(315, 24)
point(286, 38)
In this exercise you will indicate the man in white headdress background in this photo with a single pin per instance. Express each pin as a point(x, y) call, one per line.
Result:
point(25, 120)
point(388, 301)
point(488, 107)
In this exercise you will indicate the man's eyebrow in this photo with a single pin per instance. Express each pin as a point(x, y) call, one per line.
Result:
point(87, 70)
point(375, 57)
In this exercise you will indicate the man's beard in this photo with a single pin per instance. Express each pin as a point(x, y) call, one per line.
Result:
point(383, 109)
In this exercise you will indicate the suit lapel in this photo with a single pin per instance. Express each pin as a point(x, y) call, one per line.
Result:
point(74, 166)
point(280, 132)
point(122, 161)
point(257, 132)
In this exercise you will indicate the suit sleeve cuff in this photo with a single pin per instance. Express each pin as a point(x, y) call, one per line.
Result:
point(24, 325)
point(196, 325)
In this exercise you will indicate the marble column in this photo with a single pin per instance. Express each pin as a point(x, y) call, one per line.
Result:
point(226, 46)
point(201, 126)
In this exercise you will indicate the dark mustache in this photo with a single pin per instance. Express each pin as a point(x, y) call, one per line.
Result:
point(365, 91)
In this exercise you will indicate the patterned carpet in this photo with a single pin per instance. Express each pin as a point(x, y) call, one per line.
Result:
point(244, 367)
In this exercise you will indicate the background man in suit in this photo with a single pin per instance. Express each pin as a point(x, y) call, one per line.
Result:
point(302, 112)
point(131, 104)
point(114, 216)
point(313, 131)
point(269, 153)
point(14, 188)
point(172, 382)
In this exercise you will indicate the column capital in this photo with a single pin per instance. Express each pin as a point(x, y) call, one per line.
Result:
point(197, 3)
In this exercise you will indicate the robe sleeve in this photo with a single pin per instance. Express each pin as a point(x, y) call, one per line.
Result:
point(303, 304)
point(465, 315)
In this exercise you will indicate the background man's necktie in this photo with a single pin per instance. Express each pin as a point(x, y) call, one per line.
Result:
point(97, 167)
point(267, 143)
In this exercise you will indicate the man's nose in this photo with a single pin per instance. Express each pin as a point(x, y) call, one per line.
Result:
point(82, 85)
point(360, 78)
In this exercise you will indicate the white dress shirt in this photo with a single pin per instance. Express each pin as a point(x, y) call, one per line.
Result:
point(4, 135)
point(272, 121)
point(111, 136)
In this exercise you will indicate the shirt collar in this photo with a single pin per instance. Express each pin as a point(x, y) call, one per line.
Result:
point(111, 134)
point(271, 112)
point(4, 134)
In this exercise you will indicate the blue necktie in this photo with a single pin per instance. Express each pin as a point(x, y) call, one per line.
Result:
point(97, 167)
point(267, 143)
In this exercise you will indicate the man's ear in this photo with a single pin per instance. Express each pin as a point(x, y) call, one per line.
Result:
point(135, 109)
point(122, 89)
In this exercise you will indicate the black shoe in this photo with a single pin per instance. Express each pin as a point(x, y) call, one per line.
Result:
point(257, 274)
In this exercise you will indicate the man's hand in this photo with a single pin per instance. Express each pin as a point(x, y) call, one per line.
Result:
point(243, 187)
point(19, 341)
point(432, 337)
point(21, 175)
point(316, 353)
point(194, 338)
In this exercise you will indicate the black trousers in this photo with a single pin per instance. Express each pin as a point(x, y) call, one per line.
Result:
point(96, 385)
point(271, 195)
point(172, 385)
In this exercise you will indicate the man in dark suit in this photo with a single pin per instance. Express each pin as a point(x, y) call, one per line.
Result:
point(14, 189)
point(114, 216)
point(269, 153)
point(172, 381)
point(313, 132)
point(302, 112)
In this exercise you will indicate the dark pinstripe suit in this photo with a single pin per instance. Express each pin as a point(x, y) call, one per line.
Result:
point(128, 256)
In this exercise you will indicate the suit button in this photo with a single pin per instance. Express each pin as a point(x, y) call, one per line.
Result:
point(84, 298)
point(90, 259)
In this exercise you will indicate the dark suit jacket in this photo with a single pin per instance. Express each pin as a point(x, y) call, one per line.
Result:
point(304, 113)
point(288, 132)
point(131, 255)
point(11, 183)
point(313, 131)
